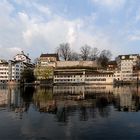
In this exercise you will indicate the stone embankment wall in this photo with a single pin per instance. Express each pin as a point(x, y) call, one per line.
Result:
point(62, 64)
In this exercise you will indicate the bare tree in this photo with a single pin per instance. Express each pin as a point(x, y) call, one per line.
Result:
point(64, 51)
point(36, 61)
point(94, 54)
point(74, 56)
point(104, 57)
point(85, 52)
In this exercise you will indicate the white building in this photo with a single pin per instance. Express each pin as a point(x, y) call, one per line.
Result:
point(22, 57)
point(62, 76)
point(3, 71)
point(14, 70)
point(125, 65)
point(11, 70)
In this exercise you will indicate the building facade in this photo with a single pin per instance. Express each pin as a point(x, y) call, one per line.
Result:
point(22, 57)
point(10, 71)
point(48, 60)
point(84, 76)
point(125, 64)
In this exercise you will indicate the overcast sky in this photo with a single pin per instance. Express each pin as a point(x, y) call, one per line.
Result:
point(39, 26)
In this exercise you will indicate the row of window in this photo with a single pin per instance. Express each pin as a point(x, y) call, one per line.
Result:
point(62, 76)
point(66, 80)
point(3, 69)
point(126, 71)
point(95, 79)
point(3, 76)
point(100, 79)
point(3, 72)
point(100, 75)
point(127, 75)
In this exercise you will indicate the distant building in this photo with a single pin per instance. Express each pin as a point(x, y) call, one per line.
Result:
point(112, 66)
point(11, 70)
point(48, 60)
point(44, 67)
point(4, 68)
point(22, 57)
point(125, 64)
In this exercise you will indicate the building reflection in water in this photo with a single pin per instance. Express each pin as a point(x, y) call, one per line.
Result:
point(14, 98)
point(87, 101)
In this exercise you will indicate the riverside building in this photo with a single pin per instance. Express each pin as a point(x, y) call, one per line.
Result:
point(10, 71)
point(125, 64)
point(84, 76)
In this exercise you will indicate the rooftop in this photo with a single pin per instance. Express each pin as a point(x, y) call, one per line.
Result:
point(49, 55)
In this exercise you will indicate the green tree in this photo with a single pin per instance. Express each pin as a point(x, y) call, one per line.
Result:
point(27, 75)
point(43, 72)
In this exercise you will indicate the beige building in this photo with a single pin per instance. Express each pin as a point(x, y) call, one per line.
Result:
point(82, 76)
point(48, 60)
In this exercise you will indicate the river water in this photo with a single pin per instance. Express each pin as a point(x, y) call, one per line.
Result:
point(70, 112)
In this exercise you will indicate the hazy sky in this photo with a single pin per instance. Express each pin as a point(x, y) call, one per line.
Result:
point(39, 26)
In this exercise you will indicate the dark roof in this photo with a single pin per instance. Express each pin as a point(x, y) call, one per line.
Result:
point(112, 63)
point(50, 55)
point(128, 56)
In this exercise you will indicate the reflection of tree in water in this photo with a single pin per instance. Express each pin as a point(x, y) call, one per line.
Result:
point(43, 100)
point(102, 104)
point(62, 115)
point(27, 95)
point(135, 101)
point(64, 112)
point(83, 113)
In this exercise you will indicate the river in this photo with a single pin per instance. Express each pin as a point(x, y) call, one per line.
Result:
point(69, 112)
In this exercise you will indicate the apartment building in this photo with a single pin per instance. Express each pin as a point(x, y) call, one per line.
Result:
point(11, 70)
point(125, 64)
point(3, 71)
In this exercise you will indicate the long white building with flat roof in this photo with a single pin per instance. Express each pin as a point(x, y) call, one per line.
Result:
point(85, 76)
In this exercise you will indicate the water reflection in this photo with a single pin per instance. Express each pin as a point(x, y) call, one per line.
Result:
point(87, 101)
